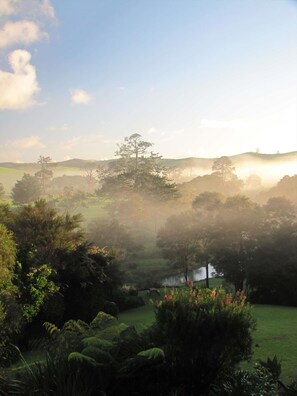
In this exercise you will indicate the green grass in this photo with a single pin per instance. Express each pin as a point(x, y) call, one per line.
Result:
point(276, 334)
point(93, 211)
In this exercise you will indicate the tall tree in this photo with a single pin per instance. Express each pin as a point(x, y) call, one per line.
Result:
point(224, 168)
point(137, 171)
point(44, 174)
point(235, 238)
point(206, 206)
point(178, 242)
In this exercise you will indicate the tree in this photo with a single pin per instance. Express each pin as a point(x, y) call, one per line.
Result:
point(206, 206)
point(71, 200)
point(136, 171)
point(26, 190)
point(91, 276)
point(41, 233)
point(178, 243)
point(273, 271)
point(235, 238)
point(223, 168)
point(90, 175)
point(44, 175)
point(110, 234)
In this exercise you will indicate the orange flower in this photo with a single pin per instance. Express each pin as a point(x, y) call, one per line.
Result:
point(228, 300)
point(169, 297)
point(213, 293)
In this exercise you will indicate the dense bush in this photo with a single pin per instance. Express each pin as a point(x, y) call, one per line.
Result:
point(203, 333)
point(127, 297)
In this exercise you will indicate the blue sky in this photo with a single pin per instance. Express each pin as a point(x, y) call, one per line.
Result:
point(198, 78)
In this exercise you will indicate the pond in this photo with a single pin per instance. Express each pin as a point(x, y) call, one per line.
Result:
point(195, 275)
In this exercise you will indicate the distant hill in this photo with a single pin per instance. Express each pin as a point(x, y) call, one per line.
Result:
point(270, 167)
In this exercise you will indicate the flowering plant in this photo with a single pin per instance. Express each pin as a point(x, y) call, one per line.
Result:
point(203, 333)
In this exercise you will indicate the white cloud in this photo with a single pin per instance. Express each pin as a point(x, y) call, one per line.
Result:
point(6, 7)
point(79, 96)
point(20, 32)
point(25, 8)
point(216, 124)
point(47, 9)
point(28, 142)
point(18, 88)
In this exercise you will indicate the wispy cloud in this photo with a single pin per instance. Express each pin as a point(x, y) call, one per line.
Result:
point(27, 143)
point(47, 9)
point(219, 124)
point(20, 32)
point(18, 88)
point(80, 96)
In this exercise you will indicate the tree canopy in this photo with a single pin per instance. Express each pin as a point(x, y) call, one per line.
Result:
point(26, 190)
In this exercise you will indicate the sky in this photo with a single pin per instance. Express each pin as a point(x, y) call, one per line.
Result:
point(198, 78)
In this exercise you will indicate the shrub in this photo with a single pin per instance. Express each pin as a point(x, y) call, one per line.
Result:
point(127, 298)
point(203, 333)
point(247, 383)
point(111, 308)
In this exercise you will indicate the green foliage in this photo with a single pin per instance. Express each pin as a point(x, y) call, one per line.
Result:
point(50, 328)
point(248, 383)
point(38, 287)
point(96, 342)
point(102, 321)
point(203, 333)
point(42, 233)
point(79, 359)
point(153, 353)
point(273, 366)
point(26, 190)
point(7, 257)
point(100, 356)
point(57, 376)
point(127, 298)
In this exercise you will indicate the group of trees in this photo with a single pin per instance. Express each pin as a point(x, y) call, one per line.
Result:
point(48, 271)
point(253, 246)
